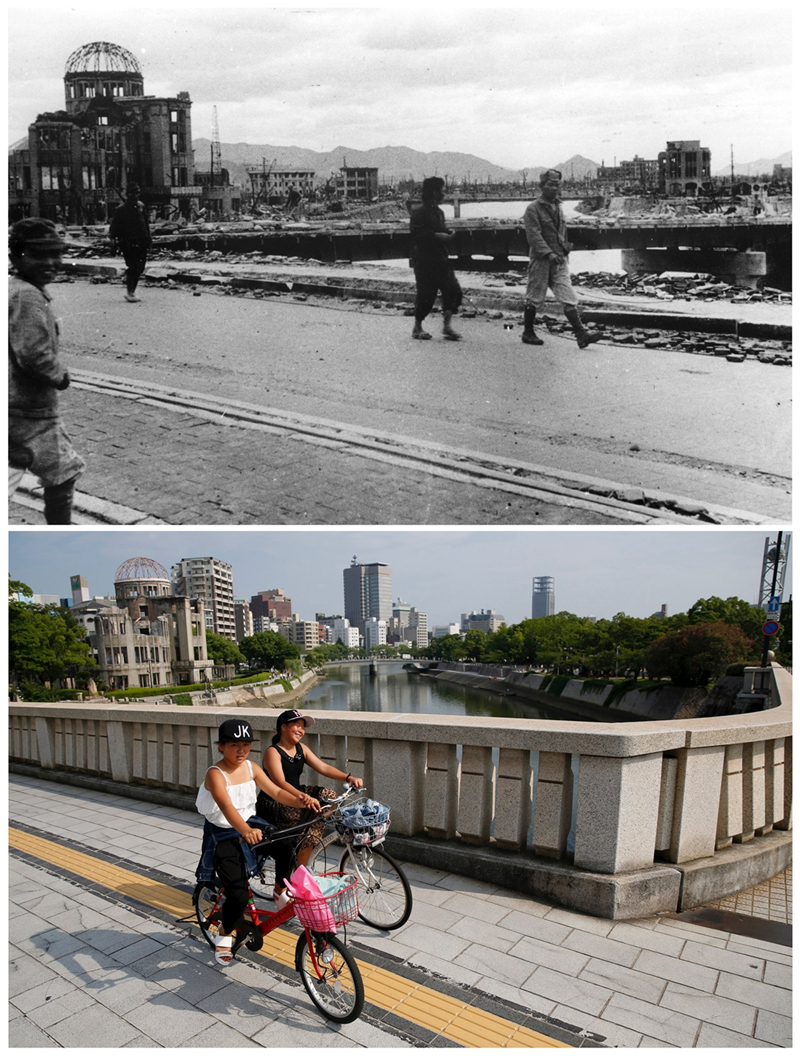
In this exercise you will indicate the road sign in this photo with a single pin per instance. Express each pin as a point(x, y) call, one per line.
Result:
point(774, 606)
point(770, 627)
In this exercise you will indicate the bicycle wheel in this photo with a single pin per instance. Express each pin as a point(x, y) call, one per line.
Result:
point(384, 894)
point(324, 858)
point(331, 977)
point(208, 910)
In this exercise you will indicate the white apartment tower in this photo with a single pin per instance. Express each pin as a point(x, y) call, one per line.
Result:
point(210, 580)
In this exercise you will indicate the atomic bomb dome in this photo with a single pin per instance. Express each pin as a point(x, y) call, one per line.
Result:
point(102, 57)
point(140, 568)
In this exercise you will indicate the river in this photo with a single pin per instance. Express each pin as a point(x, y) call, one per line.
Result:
point(350, 687)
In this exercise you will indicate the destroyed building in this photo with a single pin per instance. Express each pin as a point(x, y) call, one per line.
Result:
point(79, 160)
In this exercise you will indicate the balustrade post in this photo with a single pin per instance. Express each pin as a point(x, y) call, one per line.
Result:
point(697, 796)
point(729, 819)
point(45, 740)
point(513, 799)
point(441, 791)
point(120, 750)
point(553, 814)
point(786, 821)
point(333, 751)
point(666, 802)
point(397, 774)
point(476, 795)
point(753, 789)
point(617, 812)
point(773, 784)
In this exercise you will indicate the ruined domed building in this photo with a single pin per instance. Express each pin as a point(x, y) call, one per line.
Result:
point(151, 636)
point(79, 160)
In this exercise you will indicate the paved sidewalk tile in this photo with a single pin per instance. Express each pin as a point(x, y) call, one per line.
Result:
point(660, 1023)
point(714, 1037)
point(772, 1028)
point(678, 971)
point(772, 998)
point(710, 1008)
point(93, 1028)
point(725, 960)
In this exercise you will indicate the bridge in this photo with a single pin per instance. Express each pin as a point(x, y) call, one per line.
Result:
point(729, 247)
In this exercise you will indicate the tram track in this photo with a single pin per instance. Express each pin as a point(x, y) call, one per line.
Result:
point(504, 475)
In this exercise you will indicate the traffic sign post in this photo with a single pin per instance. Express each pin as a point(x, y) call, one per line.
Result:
point(771, 627)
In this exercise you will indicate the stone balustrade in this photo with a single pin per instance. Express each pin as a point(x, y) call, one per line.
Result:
point(639, 792)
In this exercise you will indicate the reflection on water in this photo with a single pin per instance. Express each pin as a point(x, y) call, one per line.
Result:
point(352, 688)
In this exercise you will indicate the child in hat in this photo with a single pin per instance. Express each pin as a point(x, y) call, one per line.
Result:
point(37, 439)
point(284, 761)
point(227, 799)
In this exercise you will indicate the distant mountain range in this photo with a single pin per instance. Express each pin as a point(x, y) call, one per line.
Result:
point(755, 168)
point(402, 163)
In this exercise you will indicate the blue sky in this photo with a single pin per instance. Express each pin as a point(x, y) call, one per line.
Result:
point(519, 84)
point(444, 573)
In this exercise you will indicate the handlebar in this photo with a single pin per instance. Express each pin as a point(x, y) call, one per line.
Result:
point(328, 806)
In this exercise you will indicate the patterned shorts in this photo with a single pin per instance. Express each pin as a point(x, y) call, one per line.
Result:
point(43, 446)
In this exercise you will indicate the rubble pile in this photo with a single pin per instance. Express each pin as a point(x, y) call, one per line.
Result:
point(671, 287)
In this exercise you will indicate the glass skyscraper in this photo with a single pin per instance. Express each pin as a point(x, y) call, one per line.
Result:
point(367, 593)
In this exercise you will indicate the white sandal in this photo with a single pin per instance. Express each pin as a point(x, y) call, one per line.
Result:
point(223, 954)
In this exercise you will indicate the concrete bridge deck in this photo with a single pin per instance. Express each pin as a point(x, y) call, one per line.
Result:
point(102, 955)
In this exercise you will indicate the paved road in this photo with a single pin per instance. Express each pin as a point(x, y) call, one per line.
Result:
point(687, 425)
point(97, 964)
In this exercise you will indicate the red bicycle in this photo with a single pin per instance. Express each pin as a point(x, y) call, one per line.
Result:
point(327, 968)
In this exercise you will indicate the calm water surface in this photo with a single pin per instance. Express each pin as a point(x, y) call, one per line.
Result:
point(352, 688)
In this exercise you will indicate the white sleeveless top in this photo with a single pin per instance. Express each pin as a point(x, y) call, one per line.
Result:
point(242, 796)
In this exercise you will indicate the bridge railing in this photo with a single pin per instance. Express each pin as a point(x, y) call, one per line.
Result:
point(638, 792)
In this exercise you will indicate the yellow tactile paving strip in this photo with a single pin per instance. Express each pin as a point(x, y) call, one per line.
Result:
point(453, 1019)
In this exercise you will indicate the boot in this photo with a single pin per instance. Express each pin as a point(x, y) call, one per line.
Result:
point(581, 333)
point(528, 335)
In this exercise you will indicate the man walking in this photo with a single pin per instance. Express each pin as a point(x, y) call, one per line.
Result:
point(432, 271)
point(130, 229)
point(549, 261)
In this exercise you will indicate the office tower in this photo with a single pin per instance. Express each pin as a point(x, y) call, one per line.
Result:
point(544, 596)
point(374, 632)
point(211, 581)
point(80, 589)
point(367, 593)
point(271, 603)
point(488, 621)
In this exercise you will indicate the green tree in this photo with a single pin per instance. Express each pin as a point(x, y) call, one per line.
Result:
point(269, 649)
point(477, 644)
point(222, 650)
point(734, 611)
point(45, 641)
point(698, 653)
point(448, 647)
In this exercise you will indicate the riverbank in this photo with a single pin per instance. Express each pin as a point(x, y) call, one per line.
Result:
point(592, 699)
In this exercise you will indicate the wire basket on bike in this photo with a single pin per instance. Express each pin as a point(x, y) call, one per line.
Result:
point(341, 906)
point(363, 823)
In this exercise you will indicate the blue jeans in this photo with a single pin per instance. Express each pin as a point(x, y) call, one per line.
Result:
point(213, 834)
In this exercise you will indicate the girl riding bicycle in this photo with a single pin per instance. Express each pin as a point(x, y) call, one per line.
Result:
point(284, 761)
point(227, 799)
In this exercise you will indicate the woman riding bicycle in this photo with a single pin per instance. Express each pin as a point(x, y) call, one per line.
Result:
point(227, 799)
point(284, 761)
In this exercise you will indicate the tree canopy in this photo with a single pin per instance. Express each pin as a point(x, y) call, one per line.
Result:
point(44, 641)
point(222, 650)
point(698, 653)
point(269, 648)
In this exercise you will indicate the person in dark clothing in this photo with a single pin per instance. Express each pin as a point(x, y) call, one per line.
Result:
point(432, 271)
point(130, 230)
point(283, 763)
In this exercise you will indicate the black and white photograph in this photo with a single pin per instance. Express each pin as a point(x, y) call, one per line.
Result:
point(399, 539)
point(389, 265)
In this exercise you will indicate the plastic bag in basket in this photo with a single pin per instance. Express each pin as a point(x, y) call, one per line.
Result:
point(304, 887)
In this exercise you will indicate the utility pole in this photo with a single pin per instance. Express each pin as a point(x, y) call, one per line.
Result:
point(216, 152)
point(774, 585)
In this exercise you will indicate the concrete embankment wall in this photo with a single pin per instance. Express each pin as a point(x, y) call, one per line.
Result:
point(666, 702)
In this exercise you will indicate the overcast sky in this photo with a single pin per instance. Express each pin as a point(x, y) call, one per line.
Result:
point(519, 85)
point(443, 573)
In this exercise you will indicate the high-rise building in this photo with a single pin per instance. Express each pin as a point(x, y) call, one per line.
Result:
point(271, 603)
point(243, 618)
point(210, 580)
point(80, 589)
point(544, 597)
point(304, 633)
point(367, 593)
point(374, 632)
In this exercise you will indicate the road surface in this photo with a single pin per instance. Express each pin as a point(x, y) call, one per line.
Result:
point(697, 427)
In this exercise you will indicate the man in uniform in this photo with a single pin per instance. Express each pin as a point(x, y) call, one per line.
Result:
point(549, 261)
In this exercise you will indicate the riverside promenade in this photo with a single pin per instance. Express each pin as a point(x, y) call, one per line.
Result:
point(104, 953)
